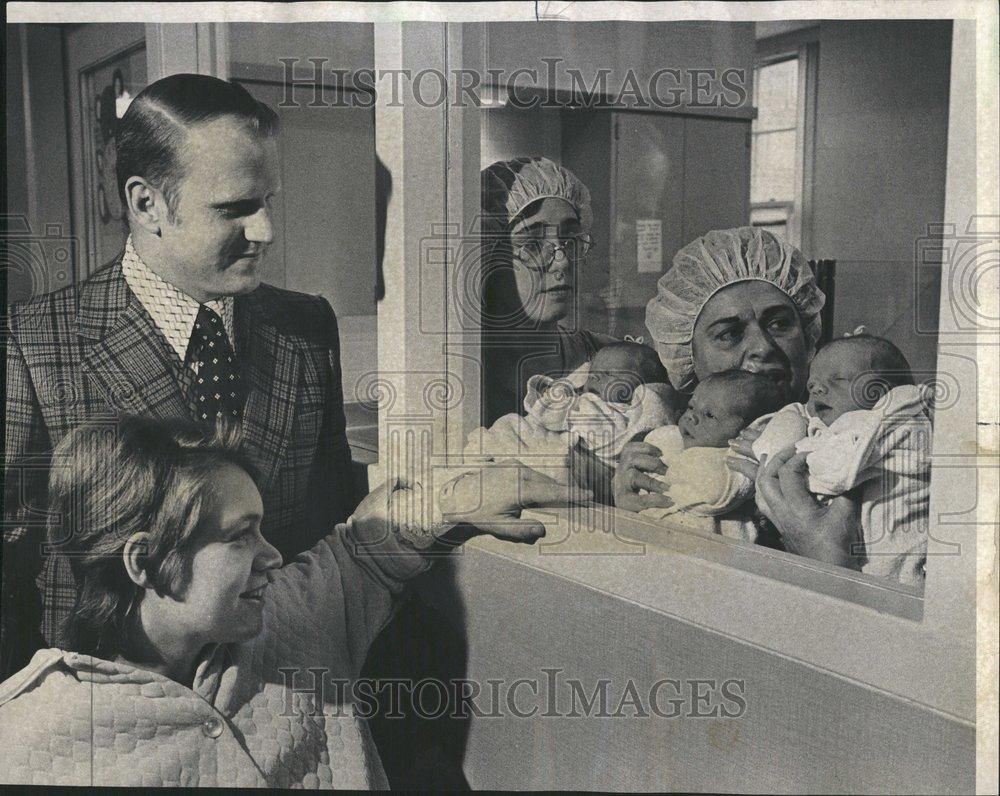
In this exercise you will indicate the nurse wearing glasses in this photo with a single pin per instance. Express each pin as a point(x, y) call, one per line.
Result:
point(536, 235)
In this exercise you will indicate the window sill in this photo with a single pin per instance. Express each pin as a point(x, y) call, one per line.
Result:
point(856, 626)
point(635, 532)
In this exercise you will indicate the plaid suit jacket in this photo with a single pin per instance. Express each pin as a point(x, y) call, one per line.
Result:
point(92, 352)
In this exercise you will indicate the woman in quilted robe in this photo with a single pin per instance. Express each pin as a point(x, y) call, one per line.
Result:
point(196, 658)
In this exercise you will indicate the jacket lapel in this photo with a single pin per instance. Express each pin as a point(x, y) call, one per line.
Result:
point(128, 360)
point(271, 358)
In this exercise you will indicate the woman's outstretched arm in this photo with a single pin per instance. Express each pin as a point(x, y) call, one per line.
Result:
point(341, 592)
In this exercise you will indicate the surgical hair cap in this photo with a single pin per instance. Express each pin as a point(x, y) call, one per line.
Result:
point(705, 266)
point(509, 186)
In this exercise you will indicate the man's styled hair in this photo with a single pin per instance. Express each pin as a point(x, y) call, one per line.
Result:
point(151, 134)
point(111, 480)
point(758, 394)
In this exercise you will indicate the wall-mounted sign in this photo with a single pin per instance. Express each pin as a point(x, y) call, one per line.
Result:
point(649, 245)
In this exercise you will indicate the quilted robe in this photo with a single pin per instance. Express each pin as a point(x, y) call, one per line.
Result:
point(73, 719)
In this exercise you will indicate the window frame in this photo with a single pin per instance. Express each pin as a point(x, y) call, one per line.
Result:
point(772, 602)
point(802, 45)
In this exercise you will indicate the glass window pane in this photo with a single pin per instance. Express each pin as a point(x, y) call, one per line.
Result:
point(773, 219)
point(772, 171)
point(762, 216)
point(776, 90)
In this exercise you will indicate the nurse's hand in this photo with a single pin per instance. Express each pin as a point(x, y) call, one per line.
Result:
point(830, 532)
point(741, 457)
point(491, 499)
point(636, 462)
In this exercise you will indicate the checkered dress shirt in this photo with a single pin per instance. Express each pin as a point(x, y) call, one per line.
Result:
point(173, 311)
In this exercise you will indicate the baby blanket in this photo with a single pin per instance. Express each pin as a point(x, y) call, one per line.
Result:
point(701, 487)
point(558, 415)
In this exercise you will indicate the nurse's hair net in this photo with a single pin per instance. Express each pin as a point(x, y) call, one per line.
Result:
point(705, 266)
point(509, 186)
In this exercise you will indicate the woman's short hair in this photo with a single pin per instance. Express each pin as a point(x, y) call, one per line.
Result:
point(110, 480)
point(151, 134)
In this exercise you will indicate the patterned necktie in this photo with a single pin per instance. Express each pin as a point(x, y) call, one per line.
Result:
point(218, 389)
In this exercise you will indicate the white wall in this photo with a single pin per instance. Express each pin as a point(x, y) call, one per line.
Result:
point(505, 135)
point(589, 47)
point(329, 225)
point(881, 140)
point(619, 46)
point(345, 45)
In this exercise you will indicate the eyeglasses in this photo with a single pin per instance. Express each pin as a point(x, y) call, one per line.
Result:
point(538, 254)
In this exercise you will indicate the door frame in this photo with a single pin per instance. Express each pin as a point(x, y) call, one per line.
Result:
point(87, 48)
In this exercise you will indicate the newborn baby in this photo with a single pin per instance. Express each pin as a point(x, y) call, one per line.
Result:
point(617, 369)
point(621, 393)
point(626, 393)
point(865, 425)
point(694, 451)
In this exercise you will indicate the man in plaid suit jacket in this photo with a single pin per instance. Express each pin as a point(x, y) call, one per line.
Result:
point(197, 172)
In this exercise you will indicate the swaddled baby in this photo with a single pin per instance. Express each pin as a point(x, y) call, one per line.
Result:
point(617, 370)
point(621, 393)
point(865, 425)
point(694, 451)
point(626, 393)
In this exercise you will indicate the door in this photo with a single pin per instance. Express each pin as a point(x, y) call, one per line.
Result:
point(105, 68)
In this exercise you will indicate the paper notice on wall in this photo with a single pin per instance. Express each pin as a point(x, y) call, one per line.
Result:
point(649, 245)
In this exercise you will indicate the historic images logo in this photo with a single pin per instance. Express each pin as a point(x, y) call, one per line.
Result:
point(314, 691)
point(311, 83)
